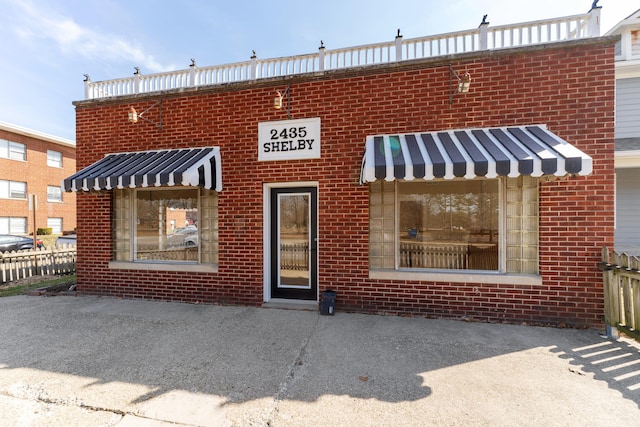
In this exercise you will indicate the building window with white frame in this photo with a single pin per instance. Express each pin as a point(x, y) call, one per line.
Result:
point(144, 225)
point(13, 225)
point(488, 225)
point(13, 150)
point(55, 224)
point(13, 189)
point(54, 193)
point(54, 159)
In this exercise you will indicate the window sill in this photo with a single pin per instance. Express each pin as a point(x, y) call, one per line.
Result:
point(455, 277)
point(161, 266)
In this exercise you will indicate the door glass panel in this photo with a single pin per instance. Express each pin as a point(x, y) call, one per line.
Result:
point(294, 240)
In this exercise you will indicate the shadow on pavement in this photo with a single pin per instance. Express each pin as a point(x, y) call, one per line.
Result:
point(122, 354)
point(617, 363)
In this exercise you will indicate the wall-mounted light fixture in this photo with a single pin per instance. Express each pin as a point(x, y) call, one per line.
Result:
point(134, 115)
point(464, 83)
point(279, 100)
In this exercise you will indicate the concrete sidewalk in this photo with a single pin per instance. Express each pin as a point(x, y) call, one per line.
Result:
point(85, 361)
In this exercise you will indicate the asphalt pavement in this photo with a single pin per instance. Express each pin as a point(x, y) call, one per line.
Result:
point(89, 361)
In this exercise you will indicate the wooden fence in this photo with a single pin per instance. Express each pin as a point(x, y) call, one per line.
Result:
point(621, 277)
point(294, 256)
point(448, 256)
point(40, 262)
point(421, 255)
point(180, 254)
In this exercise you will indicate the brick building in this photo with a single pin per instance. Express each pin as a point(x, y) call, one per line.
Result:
point(34, 163)
point(387, 182)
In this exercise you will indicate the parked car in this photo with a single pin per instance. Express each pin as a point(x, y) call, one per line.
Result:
point(10, 243)
point(69, 239)
point(182, 237)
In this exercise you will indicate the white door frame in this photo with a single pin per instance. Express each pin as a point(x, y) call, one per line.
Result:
point(266, 237)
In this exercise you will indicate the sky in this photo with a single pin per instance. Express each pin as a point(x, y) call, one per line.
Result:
point(46, 46)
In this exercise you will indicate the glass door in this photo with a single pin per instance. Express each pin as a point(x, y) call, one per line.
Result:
point(294, 261)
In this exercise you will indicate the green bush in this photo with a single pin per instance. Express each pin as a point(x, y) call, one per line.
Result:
point(45, 231)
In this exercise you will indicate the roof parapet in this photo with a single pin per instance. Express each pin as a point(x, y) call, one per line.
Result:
point(479, 39)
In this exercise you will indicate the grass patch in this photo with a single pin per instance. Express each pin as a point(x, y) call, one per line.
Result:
point(23, 286)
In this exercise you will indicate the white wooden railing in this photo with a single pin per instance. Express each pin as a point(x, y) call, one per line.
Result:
point(456, 256)
point(621, 281)
point(18, 265)
point(483, 38)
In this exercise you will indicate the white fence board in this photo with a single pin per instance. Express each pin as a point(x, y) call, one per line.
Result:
point(18, 265)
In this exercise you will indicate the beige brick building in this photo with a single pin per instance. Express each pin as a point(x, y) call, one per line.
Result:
point(34, 163)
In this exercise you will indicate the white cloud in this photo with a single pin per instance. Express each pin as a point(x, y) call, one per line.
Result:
point(74, 39)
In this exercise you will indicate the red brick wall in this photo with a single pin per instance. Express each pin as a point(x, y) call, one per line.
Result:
point(570, 89)
point(38, 176)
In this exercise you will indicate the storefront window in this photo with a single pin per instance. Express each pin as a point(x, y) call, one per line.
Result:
point(176, 225)
point(451, 225)
point(484, 224)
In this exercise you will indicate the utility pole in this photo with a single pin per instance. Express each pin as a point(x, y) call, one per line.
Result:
point(33, 205)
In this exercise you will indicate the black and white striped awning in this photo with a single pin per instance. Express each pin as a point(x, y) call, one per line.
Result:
point(197, 167)
point(470, 153)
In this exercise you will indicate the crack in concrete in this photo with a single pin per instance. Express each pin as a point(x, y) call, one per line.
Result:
point(64, 402)
point(69, 403)
point(290, 377)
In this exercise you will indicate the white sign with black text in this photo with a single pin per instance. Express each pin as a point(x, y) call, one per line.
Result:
point(289, 139)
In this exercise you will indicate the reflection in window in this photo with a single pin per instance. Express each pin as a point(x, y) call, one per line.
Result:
point(451, 224)
point(155, 239)
point(171, 225)
point(481, 224)
point(294, 239)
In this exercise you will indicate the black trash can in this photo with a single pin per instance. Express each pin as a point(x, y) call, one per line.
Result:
point(328, 303)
